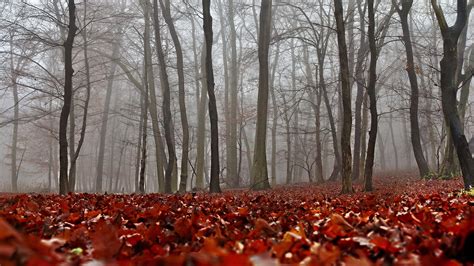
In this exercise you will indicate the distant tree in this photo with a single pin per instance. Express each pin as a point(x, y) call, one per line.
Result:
point(260, 171)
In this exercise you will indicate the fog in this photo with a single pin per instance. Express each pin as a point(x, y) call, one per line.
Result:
point(304, 91)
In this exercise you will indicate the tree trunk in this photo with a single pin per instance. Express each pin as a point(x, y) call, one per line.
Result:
point(289, 164)
point(166, 105)
point(166, 10)
point(360, 83)
point(260, 171)
point(159, 147)
point(63, 119)
point(332, 123)
point(143, 113)
point(234, 77)
point(213, 116)
point(275, 114)
point(346, 99)
point(105, 115)
point(449, 87)
point(201, 128)
point(16, 112)
point(369, 162)
point(75, 154)
point(414, 97)
point(394, 144)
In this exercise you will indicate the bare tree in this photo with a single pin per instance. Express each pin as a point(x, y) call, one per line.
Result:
point(260, 171)
point(166, 107)
point(346, 99)
point(403, 12)
point(213, 116)
point(63, 120)
point(448, 65)
point(166, 10)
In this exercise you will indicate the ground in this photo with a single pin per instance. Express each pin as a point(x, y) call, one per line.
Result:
point(404, 222)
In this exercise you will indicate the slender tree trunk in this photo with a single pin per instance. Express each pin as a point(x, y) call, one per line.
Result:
point(201, 129)
point(275, 114)
point(289, 161)
point(152, 105)
point(72, 143)
point(346, 100)
point(360, 83)
point(143, 113)
point(105, 115)
point(364, 128)
point(215, 169)
point(166, 10)
point(75, 154)
point(166, 105)
point(141, 186)
point(144, 125)
point(260, 171)
point(414, 97)
point(63, 119)
point(51, 173)
point(371, 91)
point(16, 112)
point(332, 123)
point(395, 149)
point(234, 77)
point(225, 59)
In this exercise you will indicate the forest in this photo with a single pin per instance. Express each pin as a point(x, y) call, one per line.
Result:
point(236, 132)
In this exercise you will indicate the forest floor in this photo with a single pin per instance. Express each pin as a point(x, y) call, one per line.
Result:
point(405, 221)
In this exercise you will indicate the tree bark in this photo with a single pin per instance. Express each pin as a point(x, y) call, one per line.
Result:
point(346, 99)
point(16, 112)
point(360, 84)
point(166, 105)
point(201, 128)
point(275, 115)
point(260, 171)
point(63, 119)
point(166, 10)
point(213, 116)
point(394, 143)
point(449, 87)
point(234, 77)
point(75, 155)
point(369, 162)
point(403, 12)
point(152, 105)
point(105, 115)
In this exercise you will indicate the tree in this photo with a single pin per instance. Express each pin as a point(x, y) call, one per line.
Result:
point(166, 107)
point(369, 163)
point(63, 120)
point(75, 153)
point(166, 10)
point(403, 12)
point(260, 171)
point(213, 116)
point(106, 110)
point(346, 99)
point(448, 65)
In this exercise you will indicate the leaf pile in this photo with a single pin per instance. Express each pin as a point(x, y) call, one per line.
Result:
point(402, 223)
